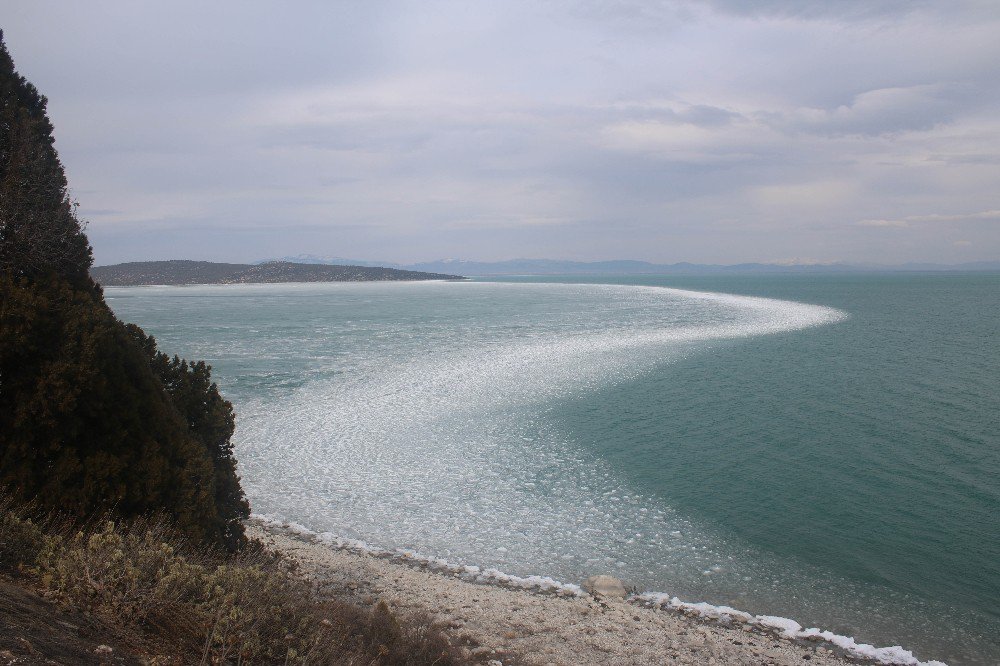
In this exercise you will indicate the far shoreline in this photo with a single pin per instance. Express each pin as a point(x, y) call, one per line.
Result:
point(184, 272)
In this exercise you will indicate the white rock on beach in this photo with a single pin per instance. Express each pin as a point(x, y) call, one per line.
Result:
point(608, 587)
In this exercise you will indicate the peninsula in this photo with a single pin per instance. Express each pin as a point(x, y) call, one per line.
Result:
point(206, 272)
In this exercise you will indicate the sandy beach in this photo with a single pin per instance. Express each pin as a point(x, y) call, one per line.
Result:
point(501, 625)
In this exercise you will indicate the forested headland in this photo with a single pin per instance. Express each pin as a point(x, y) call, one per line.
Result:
point(179, 271)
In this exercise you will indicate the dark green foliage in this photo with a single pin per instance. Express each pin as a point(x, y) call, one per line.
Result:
point(86, 425)
point(92, 418)
point(210, 420)
point(39, 232)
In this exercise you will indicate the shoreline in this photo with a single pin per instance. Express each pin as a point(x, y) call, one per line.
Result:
point(538, 620)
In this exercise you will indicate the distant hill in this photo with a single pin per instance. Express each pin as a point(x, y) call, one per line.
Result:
point(615, 267)
point(631, 267)
point(207, 272)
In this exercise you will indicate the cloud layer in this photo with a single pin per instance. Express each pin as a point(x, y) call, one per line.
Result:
point(667, 131)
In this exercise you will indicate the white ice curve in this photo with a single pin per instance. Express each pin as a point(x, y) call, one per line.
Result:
point(442, 444)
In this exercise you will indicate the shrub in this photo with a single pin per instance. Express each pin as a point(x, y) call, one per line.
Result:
point(117, 570)
point(21, 538)
point(250, 608)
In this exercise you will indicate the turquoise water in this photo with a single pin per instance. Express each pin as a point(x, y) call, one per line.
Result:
point(831, 456)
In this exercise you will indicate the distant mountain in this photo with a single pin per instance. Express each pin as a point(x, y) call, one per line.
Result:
point(968, 266)
point(206, 272)
point(332, 261)
point(311, 268)
point(561, 267)
point(618, 267)
point(631, 267)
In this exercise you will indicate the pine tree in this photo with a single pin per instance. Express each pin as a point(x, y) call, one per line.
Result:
point(39, 231)
point(92, 417)
point(210, 420)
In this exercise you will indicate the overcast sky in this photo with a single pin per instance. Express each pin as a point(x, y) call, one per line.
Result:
point(722, 131)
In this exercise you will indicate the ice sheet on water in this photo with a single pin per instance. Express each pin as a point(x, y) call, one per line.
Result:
point(435, 434)
point(438, 438)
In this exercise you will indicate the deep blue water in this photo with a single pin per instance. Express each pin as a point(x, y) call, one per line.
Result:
point(841, 469)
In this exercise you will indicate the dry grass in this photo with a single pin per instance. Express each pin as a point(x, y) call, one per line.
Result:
point(206, 608)
point(21, 537)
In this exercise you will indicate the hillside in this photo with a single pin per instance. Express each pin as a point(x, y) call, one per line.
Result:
point(207, 272)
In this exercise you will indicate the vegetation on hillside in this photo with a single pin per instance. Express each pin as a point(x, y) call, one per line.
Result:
point(93, 419)
point(168, 602)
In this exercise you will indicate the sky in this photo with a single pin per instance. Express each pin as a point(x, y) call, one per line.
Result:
point(712, 131)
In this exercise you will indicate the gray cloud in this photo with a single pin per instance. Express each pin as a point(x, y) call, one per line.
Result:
point(874, 112)
point(681, 130)
point(991, 215)
point(847, 10)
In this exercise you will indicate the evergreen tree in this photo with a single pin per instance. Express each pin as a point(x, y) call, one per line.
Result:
point(92, 417)
point(210, 420)
point(39, 231)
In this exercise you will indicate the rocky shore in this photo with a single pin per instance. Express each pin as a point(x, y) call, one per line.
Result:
point(499, 624)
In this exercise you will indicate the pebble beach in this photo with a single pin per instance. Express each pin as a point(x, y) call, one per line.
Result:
point(500, 624)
